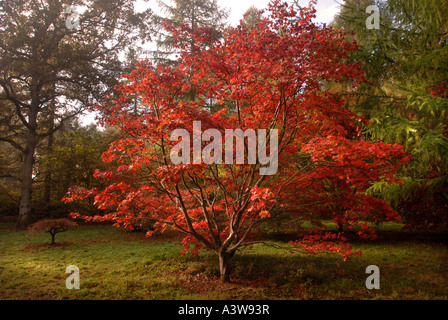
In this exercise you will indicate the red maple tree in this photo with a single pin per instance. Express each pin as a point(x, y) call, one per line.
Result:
point(276, 75)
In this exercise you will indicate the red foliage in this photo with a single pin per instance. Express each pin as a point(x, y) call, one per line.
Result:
point(326, 242)
point(52, 226)
point(272, 76)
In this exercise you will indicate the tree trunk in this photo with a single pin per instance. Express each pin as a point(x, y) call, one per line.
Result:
point(224, 268)
point(24, 217)
point(47, 188)
point(32, 139)
point(52, 236)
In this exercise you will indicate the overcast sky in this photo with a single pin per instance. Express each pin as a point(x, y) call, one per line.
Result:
point(325, 9)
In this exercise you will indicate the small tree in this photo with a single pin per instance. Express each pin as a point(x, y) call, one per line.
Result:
point(52, 226)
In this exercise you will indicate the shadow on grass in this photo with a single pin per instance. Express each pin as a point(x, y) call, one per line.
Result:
point(276, 268)
point(383, 237)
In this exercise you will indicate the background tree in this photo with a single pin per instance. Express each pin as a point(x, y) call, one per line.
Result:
point(10, 160)
point(191, 15)
point(252, 17)
point(51, 71)
point(180, 29)
point(275, 76)
point(75, 156)
point(406, 62)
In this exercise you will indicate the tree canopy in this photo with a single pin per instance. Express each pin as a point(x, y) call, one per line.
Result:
point(274, 78)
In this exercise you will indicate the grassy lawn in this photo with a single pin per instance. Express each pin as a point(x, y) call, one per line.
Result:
point(118, 264)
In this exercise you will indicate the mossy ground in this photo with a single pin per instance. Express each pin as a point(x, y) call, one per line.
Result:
point(118, 264)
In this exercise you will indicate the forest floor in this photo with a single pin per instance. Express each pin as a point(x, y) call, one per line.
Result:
point(119, 264)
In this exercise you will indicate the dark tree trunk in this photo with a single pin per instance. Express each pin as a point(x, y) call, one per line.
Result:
point(52, 236)
point(47, 188)
point(224, 267)
point(32, 138)
point(24, 217)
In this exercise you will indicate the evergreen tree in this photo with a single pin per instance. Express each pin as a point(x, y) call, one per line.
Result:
point(406, 61)
point(252, 17)
point(191, 15)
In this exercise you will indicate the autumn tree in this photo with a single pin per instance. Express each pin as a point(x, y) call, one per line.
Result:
point(52, 226)
point(55, 61)
point(274, 76)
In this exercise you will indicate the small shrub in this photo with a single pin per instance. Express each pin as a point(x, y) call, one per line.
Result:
point(52, 226)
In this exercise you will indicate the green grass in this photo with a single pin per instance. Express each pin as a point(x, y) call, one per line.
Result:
point(118, 264)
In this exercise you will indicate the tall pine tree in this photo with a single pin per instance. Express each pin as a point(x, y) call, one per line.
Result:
point(190, 15)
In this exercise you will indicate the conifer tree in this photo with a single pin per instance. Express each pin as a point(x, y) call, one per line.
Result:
point(190, 14)
point(406, 61)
